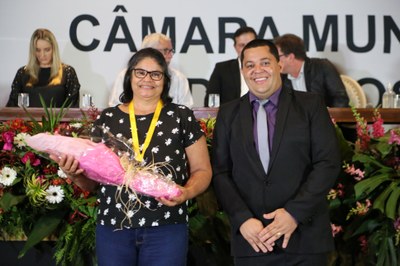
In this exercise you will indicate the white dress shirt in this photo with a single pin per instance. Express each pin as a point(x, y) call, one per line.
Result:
point(243, 85)
point(299, 83)
point(179, 90)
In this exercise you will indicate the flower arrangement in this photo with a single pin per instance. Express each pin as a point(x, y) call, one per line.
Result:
point(364, 204)
point(37, 201)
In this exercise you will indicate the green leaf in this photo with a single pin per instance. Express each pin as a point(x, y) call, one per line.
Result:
point(393, 201)
point(9, 200)
point(380, 201)
point(45, 226)
point(369, 184)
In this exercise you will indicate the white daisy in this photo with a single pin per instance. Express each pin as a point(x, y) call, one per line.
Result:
point(7, 176)
point(54, 194)
point(175, 131)
point(155, 223)
point(61, 173)
point(159, 123)
point(167, 158)
point(168, 141)
point(155, 150)
point(160, 133)
point(110, 114)
point(76, 125)
point(178, 120)
point(19, 140)
point(167, 215)
point(180, 211)
point(121, 121)
point(130, 213)
point(142, 221)
point(189, 118)
point(113, 221)
point(170, 113)
point(106, 212)
point(108, 200)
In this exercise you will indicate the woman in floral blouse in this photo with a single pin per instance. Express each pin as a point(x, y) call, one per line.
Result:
point(45, 75)
point(160, 132)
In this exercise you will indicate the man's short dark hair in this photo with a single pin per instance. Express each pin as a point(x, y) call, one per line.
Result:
point(243, 30)
point(259, 43)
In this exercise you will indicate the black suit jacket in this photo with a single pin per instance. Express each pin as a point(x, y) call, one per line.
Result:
point(322, 77)
point(225, 80)
point(304, 165)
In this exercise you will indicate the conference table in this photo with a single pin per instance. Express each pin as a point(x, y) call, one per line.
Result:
point(340, 115)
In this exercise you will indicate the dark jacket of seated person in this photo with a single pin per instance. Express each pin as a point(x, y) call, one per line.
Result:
point(62, 87)
point(322, 77)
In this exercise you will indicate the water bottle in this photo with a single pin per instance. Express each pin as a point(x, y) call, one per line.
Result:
point(388, 97)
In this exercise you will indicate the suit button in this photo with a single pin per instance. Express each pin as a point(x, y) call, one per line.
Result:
point(266, 182)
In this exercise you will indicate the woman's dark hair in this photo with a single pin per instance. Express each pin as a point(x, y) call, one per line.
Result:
point(127, 94)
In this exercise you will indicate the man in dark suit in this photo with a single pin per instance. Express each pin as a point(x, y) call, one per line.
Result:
point(278, 210)
point(226, 78)
point(310, 74)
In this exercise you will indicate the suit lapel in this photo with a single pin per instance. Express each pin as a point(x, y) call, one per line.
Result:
point(281, 119)
point(236, 78)
point(246, 119)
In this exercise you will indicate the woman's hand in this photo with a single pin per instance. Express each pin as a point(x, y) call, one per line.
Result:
point(70, 167)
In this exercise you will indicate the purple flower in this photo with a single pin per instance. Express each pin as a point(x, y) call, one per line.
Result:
point(8, 138)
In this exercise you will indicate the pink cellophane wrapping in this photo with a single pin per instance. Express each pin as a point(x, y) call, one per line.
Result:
point(103, 165)
point(154, 185)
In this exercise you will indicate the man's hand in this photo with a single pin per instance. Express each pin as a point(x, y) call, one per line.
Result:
point(283, 225)
point(250, 230)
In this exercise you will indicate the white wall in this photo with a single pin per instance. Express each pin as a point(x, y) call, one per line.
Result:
point(97, 69)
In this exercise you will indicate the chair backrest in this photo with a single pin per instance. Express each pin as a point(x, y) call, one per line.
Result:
point(354, 91)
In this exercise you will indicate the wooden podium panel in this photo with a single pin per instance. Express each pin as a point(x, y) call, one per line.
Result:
point(341, 115)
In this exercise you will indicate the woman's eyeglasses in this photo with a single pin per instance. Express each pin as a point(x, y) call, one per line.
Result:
point(154, 75)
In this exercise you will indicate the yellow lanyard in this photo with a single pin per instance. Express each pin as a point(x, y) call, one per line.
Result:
point(135, 138)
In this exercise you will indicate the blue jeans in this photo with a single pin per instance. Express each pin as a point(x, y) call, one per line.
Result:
point(165, 245)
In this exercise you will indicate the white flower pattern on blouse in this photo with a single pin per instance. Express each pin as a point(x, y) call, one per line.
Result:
point(175, 130)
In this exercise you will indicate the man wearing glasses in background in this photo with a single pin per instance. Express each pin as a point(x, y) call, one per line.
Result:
point(226, 79)
point(302, 73)
point(179, 87)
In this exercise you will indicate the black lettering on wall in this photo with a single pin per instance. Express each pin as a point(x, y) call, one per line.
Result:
point(350, 35)
point(223, 35)
point(320, 43)
point(196, 24)
point(73, 33)
point(168, 26)
point(376, 83)
point(120, 23)
point(268, 22)
point(389, 26)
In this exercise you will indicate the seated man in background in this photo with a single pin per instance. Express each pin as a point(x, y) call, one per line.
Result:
point(179, 88)
point(226, 79)
point(310, 74)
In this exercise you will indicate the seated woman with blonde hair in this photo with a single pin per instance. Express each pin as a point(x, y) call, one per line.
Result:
point(45, 75)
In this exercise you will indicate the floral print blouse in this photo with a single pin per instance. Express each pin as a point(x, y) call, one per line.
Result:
point(176, 129)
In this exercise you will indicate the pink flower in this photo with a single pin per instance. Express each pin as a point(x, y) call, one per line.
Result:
point(336, 229)
point(396, 224)
point(377, 127)
point(394, 137)
point(357, 173)
point(363, 208)
point(30, 156)
point(363, 243)
point(8, 138)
